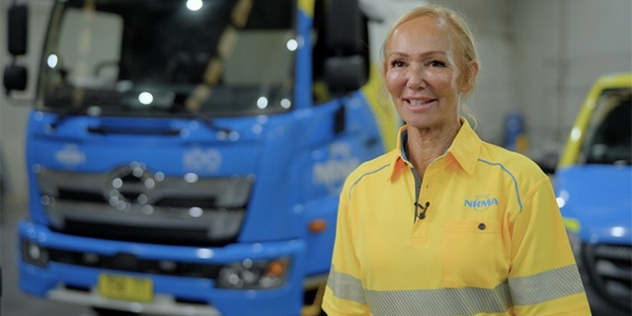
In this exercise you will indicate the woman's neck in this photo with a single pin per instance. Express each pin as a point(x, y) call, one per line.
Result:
point(426, 144)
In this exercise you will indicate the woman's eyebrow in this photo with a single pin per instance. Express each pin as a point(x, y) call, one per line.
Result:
point(397, 54)
point(422, 54)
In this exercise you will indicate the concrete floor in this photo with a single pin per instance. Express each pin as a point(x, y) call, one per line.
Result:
point(15, 303)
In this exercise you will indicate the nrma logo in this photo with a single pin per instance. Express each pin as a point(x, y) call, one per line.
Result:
point(481, 203)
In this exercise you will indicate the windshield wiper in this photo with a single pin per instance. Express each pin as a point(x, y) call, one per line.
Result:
point(208, 122)
point(78, 109)
point(73, 110)
point(178, 108)
point(88, 97)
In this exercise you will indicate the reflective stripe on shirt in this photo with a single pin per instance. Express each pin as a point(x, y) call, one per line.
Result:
point(440, 302)
point(527, 290)
point(546, 286)
point(346, 286)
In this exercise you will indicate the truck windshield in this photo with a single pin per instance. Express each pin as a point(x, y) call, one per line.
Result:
point(609, 138)
point(169, 57)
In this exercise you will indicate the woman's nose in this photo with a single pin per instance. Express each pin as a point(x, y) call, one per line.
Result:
point(416, 78)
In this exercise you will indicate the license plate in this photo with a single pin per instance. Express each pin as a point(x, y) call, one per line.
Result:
point(126, 288)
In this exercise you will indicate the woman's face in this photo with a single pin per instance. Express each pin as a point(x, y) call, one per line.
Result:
point(421, 74)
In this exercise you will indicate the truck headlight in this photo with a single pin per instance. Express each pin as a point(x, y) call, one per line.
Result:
point(34, 254)
point(254, 274)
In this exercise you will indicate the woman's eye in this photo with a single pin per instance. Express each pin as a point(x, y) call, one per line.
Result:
point(436, 63)
point(397, 63)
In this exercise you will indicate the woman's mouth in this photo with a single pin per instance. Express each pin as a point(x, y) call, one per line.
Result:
point(420, 104)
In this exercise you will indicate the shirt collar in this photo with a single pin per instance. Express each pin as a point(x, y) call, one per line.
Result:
point(466, 147)
point(465, 150)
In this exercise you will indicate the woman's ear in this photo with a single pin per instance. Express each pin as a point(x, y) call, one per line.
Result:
point(468, 82)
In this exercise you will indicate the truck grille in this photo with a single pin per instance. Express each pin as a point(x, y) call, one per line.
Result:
point(610, 270)
point(130, 203)
point(127, 262)
point(151, 235)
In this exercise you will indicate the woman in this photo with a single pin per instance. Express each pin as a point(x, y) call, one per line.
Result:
point(447, 224)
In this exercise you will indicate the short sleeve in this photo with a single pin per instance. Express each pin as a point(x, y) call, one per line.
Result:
point(543, 278)
point(344, 295)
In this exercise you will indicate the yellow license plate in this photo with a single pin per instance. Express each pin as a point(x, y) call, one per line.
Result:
point(126, 288)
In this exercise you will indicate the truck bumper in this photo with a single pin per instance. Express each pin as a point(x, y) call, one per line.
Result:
point(172, 295)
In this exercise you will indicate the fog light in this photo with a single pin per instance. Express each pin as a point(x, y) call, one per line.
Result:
point(34, 254)
point(257, 274)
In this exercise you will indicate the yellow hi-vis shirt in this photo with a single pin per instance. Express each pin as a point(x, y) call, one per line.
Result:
point(492, 241)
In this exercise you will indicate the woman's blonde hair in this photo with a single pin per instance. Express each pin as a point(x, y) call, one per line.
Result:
point(462, 37)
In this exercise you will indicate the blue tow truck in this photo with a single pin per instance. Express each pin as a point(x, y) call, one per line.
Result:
point(185, 157)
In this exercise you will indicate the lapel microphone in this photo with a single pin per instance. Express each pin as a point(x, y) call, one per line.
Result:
point(424, 209)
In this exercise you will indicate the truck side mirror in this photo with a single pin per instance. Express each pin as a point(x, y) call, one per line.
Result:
point(15, 78)
point(346, 67)
point(344, 27)
point(345, 74)
point(17, 29)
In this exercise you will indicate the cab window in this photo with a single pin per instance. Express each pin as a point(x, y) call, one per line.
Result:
point(609, 134)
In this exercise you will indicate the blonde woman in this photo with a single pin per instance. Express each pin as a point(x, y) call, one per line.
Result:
point(447, 224)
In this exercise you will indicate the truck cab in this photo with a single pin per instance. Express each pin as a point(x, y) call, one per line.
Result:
point(185, 157)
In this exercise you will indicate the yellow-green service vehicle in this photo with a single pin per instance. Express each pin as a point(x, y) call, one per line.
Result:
point(593, 183)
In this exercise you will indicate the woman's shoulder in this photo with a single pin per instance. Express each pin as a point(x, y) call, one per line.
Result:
point(517, 164)
point(374, 165)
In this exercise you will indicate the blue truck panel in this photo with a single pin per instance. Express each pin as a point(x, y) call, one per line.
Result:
point(604, 206)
